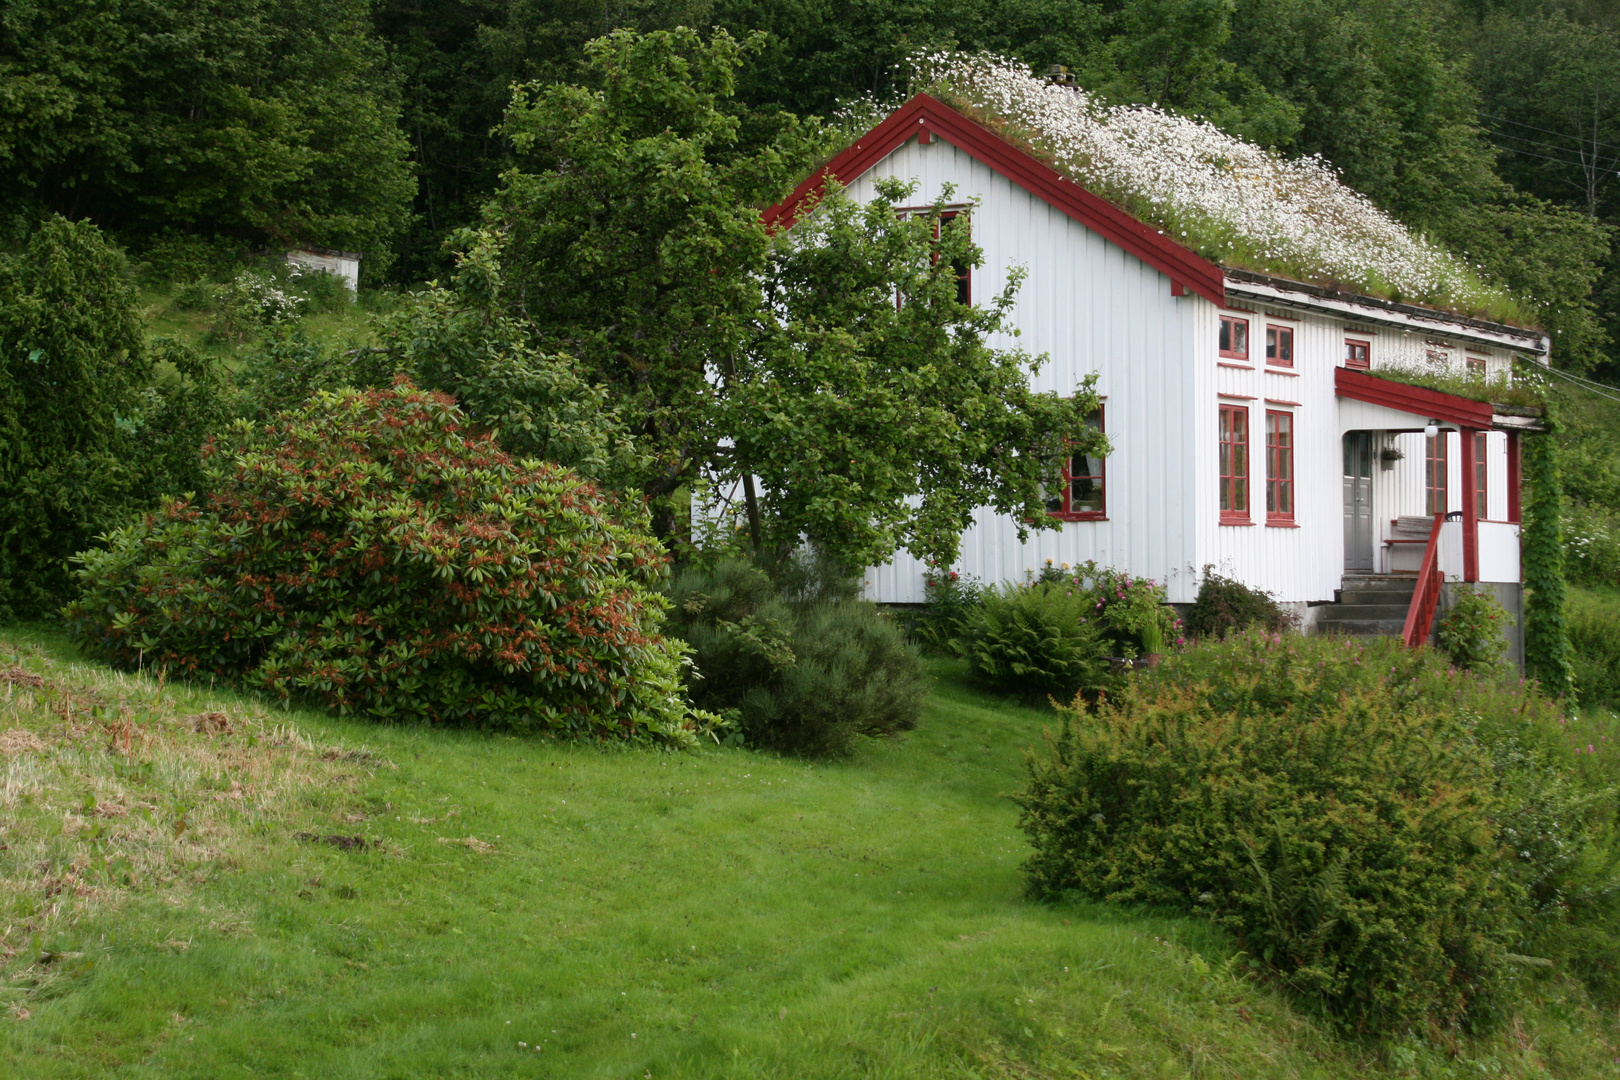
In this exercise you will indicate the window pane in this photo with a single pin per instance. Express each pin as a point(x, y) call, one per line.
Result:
point(1226, 335)
point(1086, 494)
point(1240, 338)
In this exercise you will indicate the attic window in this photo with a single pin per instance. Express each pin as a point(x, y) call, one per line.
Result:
point(1280, 346)
point(964, 272)
point(1234, 338)
point(1476, 366)
point(1357, 354)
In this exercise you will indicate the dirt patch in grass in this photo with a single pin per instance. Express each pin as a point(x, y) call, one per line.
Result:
point(114, 786)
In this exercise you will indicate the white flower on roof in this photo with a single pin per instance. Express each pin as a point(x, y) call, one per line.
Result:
point(1231, 200)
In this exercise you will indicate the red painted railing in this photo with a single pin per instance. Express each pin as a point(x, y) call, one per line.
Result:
point(1426, 597)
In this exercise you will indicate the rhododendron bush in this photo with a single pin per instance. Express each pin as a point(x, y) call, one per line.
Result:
point(1232, 201)
point(368, 552)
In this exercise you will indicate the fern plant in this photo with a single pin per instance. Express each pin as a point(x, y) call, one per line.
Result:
point(1036, 640)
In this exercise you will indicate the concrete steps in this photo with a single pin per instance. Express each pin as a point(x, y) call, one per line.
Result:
point(1370, 605)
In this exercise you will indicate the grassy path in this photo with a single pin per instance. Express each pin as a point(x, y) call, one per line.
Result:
point(635, 914)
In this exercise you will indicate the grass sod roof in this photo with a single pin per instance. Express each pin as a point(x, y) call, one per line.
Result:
point(1231, 201)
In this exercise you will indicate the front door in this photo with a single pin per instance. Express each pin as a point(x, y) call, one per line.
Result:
point(1358, 512)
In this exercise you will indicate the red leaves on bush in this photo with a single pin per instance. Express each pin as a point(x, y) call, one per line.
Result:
point(370, 552)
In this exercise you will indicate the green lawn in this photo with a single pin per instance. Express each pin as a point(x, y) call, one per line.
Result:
point(624, 914)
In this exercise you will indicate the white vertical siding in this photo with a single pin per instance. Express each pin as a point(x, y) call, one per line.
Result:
point(1091, 307)
point(1295, 564)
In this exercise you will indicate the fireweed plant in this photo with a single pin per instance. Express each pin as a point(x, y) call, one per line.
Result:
point(1232, 201)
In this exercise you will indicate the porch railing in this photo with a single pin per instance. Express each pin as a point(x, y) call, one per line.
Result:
point(1426, 597)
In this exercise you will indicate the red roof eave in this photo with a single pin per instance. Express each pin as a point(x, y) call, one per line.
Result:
point(1416, 400)
point(1186, 269)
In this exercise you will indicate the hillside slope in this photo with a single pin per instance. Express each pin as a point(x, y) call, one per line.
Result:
point(197, 884)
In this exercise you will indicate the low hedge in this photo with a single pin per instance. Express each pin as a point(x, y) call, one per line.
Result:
point(1379, 831)
point(794, 657)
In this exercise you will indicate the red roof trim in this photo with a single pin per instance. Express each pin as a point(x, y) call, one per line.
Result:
point(924, 115)
point(1417, 400)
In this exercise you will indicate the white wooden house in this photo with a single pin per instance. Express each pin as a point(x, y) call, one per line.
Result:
point(1245, 431)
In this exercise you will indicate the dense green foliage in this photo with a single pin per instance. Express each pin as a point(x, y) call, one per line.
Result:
point(1224, 605)
point(798, 663)
point(89, 430)
point(364, 552)
point(270, 121)
point(1470, 633)
point(1036, 640)
point(951, 598)
point(1594, 645)
point(1379, 832)
point(1546, 641)
point(1486, 124)
point(629, 237)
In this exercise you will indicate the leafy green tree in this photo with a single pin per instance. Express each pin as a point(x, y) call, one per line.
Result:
point(87, 432)
point(631, 236)
point(636, 246)
point(269, 120)
point(874, 424)
point(459, 340)
point(457, 61)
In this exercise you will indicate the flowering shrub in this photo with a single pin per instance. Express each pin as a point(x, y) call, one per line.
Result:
point(252, 300)
point(952, 600)
point(1377, 829)
point(1592, 546)
point(1231, 200)
point(1134, 613)
point(1224, 605)
point(364, 551)
point(1471, 633)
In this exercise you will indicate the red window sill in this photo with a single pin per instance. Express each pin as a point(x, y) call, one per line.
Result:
point(1290, 372)
point(1240, 367)
point(1358, 367)
point(1087, 515)
point(1281, 523)
point(1235, 519)
point(1234, 356)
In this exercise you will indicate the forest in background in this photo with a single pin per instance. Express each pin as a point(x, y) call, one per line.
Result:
point(376, 125)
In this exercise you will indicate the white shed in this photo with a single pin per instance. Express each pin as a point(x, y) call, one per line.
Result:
point(340, 264)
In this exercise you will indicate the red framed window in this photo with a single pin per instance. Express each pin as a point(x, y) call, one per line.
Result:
point(1357, 354)
point(1085, 484)
point(1482, 499)
point(1476, 366)
point(1234, 464)
point(1434, 475)
point(964, 272)
point(1234, 338)
point(1279, 467)
point(1280, 346)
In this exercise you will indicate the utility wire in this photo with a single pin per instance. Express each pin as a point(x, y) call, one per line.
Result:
point(1548, 131)
point(1561, 161)
point(1543, 145)
point(1587, 384)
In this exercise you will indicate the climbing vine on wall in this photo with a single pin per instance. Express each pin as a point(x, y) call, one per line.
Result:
point(1546, 637)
